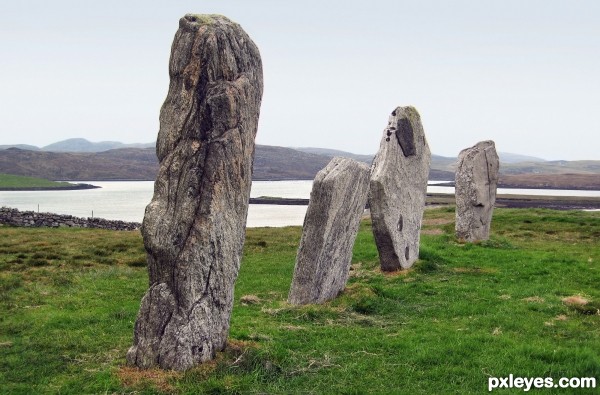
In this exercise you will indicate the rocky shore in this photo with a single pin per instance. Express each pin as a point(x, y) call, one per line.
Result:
point(14, 217)
point(506, 201)
point(72, 187)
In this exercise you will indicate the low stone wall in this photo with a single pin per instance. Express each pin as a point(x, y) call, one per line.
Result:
point(14, 217)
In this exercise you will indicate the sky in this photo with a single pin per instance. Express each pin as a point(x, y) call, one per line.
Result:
point(525, 74)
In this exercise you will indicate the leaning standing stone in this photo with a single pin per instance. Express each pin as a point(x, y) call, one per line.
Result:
point(337, 201)
point(194, 226)
point(398, 189)
point(476, 182)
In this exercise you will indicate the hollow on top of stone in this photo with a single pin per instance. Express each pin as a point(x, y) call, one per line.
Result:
point(406, 137)
point(194, 21)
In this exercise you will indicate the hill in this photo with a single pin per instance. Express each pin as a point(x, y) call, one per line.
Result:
point(83, 145)
point(552, 167)
point(20, 146)
point(122, 164)
point(270, 163)
point(552, 181)
point(507, 157)
point(330, 153)
point(79, 145)
point(441, 167)
point(279, 163)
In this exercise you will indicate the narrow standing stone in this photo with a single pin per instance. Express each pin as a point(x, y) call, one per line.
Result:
point(476, 182)
point(398, 189)
point(194, 226)
point(337, 201)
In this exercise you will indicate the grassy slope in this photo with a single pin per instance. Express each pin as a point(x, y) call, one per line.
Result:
point(12, 181)
point(68, 301)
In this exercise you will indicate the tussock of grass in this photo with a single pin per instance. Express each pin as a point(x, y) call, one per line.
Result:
point(514, 304)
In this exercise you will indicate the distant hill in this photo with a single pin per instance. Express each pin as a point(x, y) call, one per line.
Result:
point(20, 146)
point(83, 145)
point(134, 162)
point(332, 152)
point(507, 157)
point(279, 163)
point(552, 181)
point(270, 163)
point(121, 164)
point(441, 166)
point(552, 167)
point(79, 145)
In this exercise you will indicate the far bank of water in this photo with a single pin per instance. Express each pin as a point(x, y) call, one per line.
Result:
point(126, 200)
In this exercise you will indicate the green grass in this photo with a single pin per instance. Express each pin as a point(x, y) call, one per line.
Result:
point(9, 181)
point(69, 298)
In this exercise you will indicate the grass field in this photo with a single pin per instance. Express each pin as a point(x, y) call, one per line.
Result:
point(526, 302)
point(9, 181)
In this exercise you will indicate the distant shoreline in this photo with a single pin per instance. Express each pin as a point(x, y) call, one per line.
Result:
point(505, 201)
point(525, 186)
point(73, 187)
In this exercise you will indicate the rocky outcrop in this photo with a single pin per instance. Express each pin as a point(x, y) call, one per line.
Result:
point(476, 182)
point(337, 201)
point(398, 188)
point(31, 219)
point(194, 226)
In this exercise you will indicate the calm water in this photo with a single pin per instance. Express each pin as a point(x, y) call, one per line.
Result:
point(126, 200)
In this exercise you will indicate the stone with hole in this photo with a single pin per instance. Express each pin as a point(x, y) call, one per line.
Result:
point(398, 188)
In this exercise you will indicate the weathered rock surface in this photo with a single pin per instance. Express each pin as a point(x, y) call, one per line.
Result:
point(476, 181)
point(398, 189)
point(337, 201)
point(194, 226)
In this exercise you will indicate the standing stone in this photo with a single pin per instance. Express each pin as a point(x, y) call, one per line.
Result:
point(194, 226)
point(476, 182)
point(398, 189)
point(337, 201)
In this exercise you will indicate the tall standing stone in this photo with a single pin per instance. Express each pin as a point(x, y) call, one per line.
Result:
point(476, 182)
point(398, 189)
point(194, 226)
point(337, 201)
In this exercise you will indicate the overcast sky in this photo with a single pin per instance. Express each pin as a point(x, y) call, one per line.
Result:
point(523, 73)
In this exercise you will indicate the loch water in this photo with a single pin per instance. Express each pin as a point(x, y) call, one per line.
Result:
point(126, 200)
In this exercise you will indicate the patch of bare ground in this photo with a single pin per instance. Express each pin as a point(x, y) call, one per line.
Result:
point(534, 299)
point(575, 300)
point(397, 273)
point(473, 270)
point(249, 299)
point(432, 231)
point(432, 226)
point(582, 305)
point(136, 378)
point(560, 317)
point(437, 221)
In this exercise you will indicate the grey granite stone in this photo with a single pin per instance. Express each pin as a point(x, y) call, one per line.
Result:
point(398, 188)
point(337, 201)
point(476, 182)
point(194, 227)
